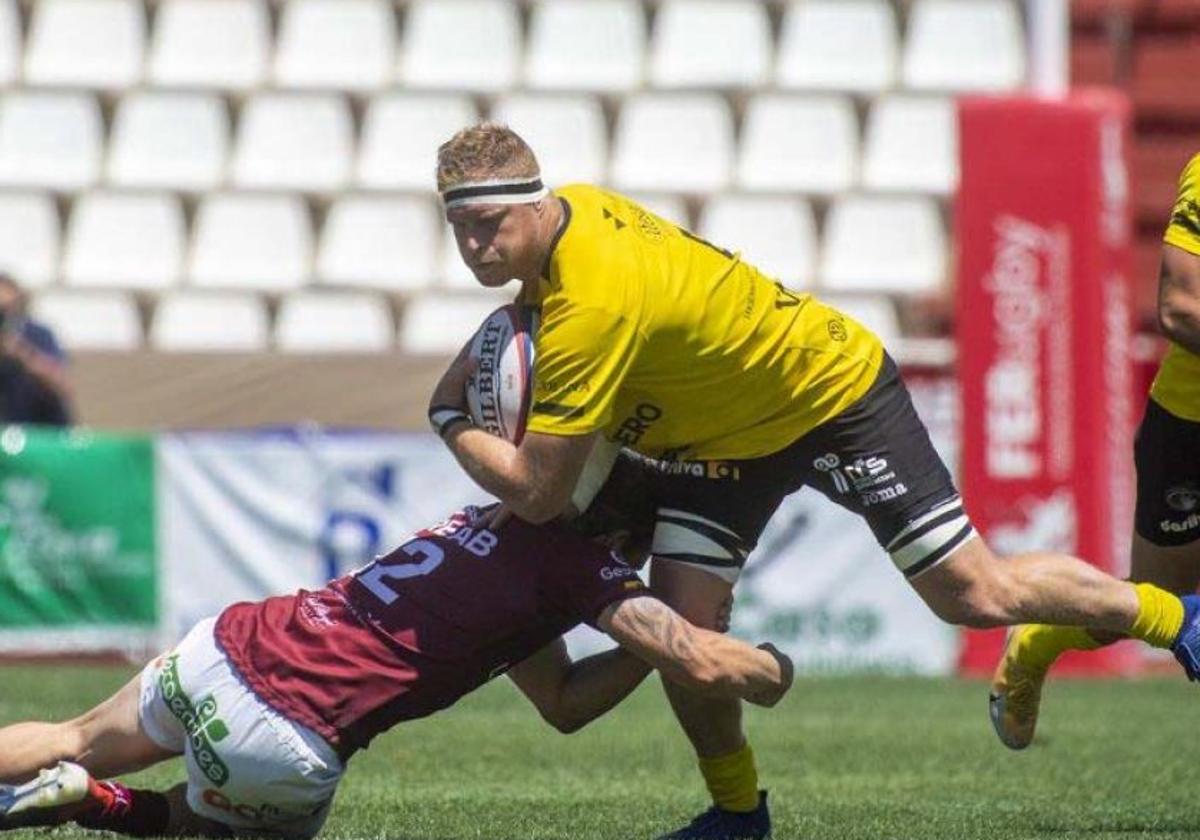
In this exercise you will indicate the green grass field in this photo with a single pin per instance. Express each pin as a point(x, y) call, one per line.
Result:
point(844, 758)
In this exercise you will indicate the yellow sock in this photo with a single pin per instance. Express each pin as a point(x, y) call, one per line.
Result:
point(1159, 618)
point(1039, 645)
point(732, 780)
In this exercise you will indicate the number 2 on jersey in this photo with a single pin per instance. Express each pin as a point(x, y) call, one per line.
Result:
point(374, 577)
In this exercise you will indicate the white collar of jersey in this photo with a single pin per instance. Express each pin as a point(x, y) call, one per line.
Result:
point(496, 191)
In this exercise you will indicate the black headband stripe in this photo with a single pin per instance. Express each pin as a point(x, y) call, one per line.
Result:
point(532, 186)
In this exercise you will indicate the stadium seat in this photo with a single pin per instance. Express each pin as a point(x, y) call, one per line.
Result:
point(386, 243)
point(29, 237)
point(964, 45)
point(670, 207)
point(294, 142)
point(911, 144)
point(51, 140)
point(567, 133)
point(10, 42)
point(337, 44)
point(587, 45)
point(86, 43)
point(1159, 63)
point(673, 142)
point(401, 134)
point(125, 240)
point(461, 45)
point(344, 322)
point(1158, 158)
point(254, 241)
point(884, 244)
point(875, 312)
point(710, 43)
point(847, 45)
point(796, 143)
point(173, 141)
point(210, 321)
point(440, 323)
point(211, 44)
point(1095, 59)
point(90, 320)
point(775, 234)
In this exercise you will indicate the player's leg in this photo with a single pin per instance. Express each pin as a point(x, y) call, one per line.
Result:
point(107, 740)
point(1165, 553)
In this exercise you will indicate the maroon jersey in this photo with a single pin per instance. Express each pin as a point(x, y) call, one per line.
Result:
point(415, 630)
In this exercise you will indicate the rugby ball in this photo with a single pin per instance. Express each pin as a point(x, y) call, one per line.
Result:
point(501, 386)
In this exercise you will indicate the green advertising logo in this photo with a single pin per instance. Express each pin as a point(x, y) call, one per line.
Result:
point(77, 535)
point(199, 721)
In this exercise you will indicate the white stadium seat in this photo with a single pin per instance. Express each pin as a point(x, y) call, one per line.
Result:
point(911, 144)
point(294, 142)
point(90, 320)
point(875, 312)
point(380, 242)
point(336, 44)
point(261, 242)
point(401, 134)
point(51, 140)
point(210, 321)
point(670, 207)
point(86, 43)
point(567, 133)
point(439, 323)
point(884, 244)
point(589, 45)
point(221, 44)
point(174, 141)
point(673, 142)
point(10, 42)
point(314, 322)
point(29, 237)
point(964, 45)
point(710, 43)
point(461, 45)
point(125, 240)
point(775, 234)
point(796, 143)
point(846, 45)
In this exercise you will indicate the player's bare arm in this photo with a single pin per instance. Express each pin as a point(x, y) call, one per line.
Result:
point(569, 695)
point(1179, 297)
point(708, 663)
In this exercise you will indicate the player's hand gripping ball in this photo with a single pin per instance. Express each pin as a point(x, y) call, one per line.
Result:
point(500, 387)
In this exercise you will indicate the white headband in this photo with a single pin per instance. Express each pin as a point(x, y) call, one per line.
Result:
point(496, 191)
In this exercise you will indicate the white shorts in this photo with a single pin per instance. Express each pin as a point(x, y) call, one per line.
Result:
point(248, 767)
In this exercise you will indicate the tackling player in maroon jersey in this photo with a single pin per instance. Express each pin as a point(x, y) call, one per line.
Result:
point(269, 700)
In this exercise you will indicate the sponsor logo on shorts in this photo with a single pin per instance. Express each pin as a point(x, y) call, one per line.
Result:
point(1183, 499)
point(868, 477)
point(1172, 527)
point(265, 813)
point(199, 721)
point(716, 470)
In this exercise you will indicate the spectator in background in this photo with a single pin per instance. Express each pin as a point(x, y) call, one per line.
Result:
point(34, 385)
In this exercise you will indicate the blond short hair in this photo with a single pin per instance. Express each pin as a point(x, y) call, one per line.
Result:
point(484, 151)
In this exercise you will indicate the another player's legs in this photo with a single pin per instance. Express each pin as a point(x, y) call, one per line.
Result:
point(714, 727)
point(1032, 649)
point(106, 741)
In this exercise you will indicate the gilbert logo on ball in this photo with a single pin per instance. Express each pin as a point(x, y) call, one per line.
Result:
point(499, 391)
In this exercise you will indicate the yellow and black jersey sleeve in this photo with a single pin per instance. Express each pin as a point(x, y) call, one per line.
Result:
point(1184, 229)
point(582, 357)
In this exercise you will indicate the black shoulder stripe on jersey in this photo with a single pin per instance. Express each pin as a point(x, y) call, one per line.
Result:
point(553, 409)
point(1188, 217)
point(947, 547)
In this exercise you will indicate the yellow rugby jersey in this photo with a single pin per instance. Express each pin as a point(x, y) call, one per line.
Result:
point(675, 347)
point(1177, 385)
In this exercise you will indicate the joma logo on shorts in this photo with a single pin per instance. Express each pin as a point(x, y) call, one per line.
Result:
point(200, 722)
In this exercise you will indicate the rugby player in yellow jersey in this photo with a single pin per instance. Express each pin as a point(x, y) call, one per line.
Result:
point(1166, 540)
point(653, 339)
